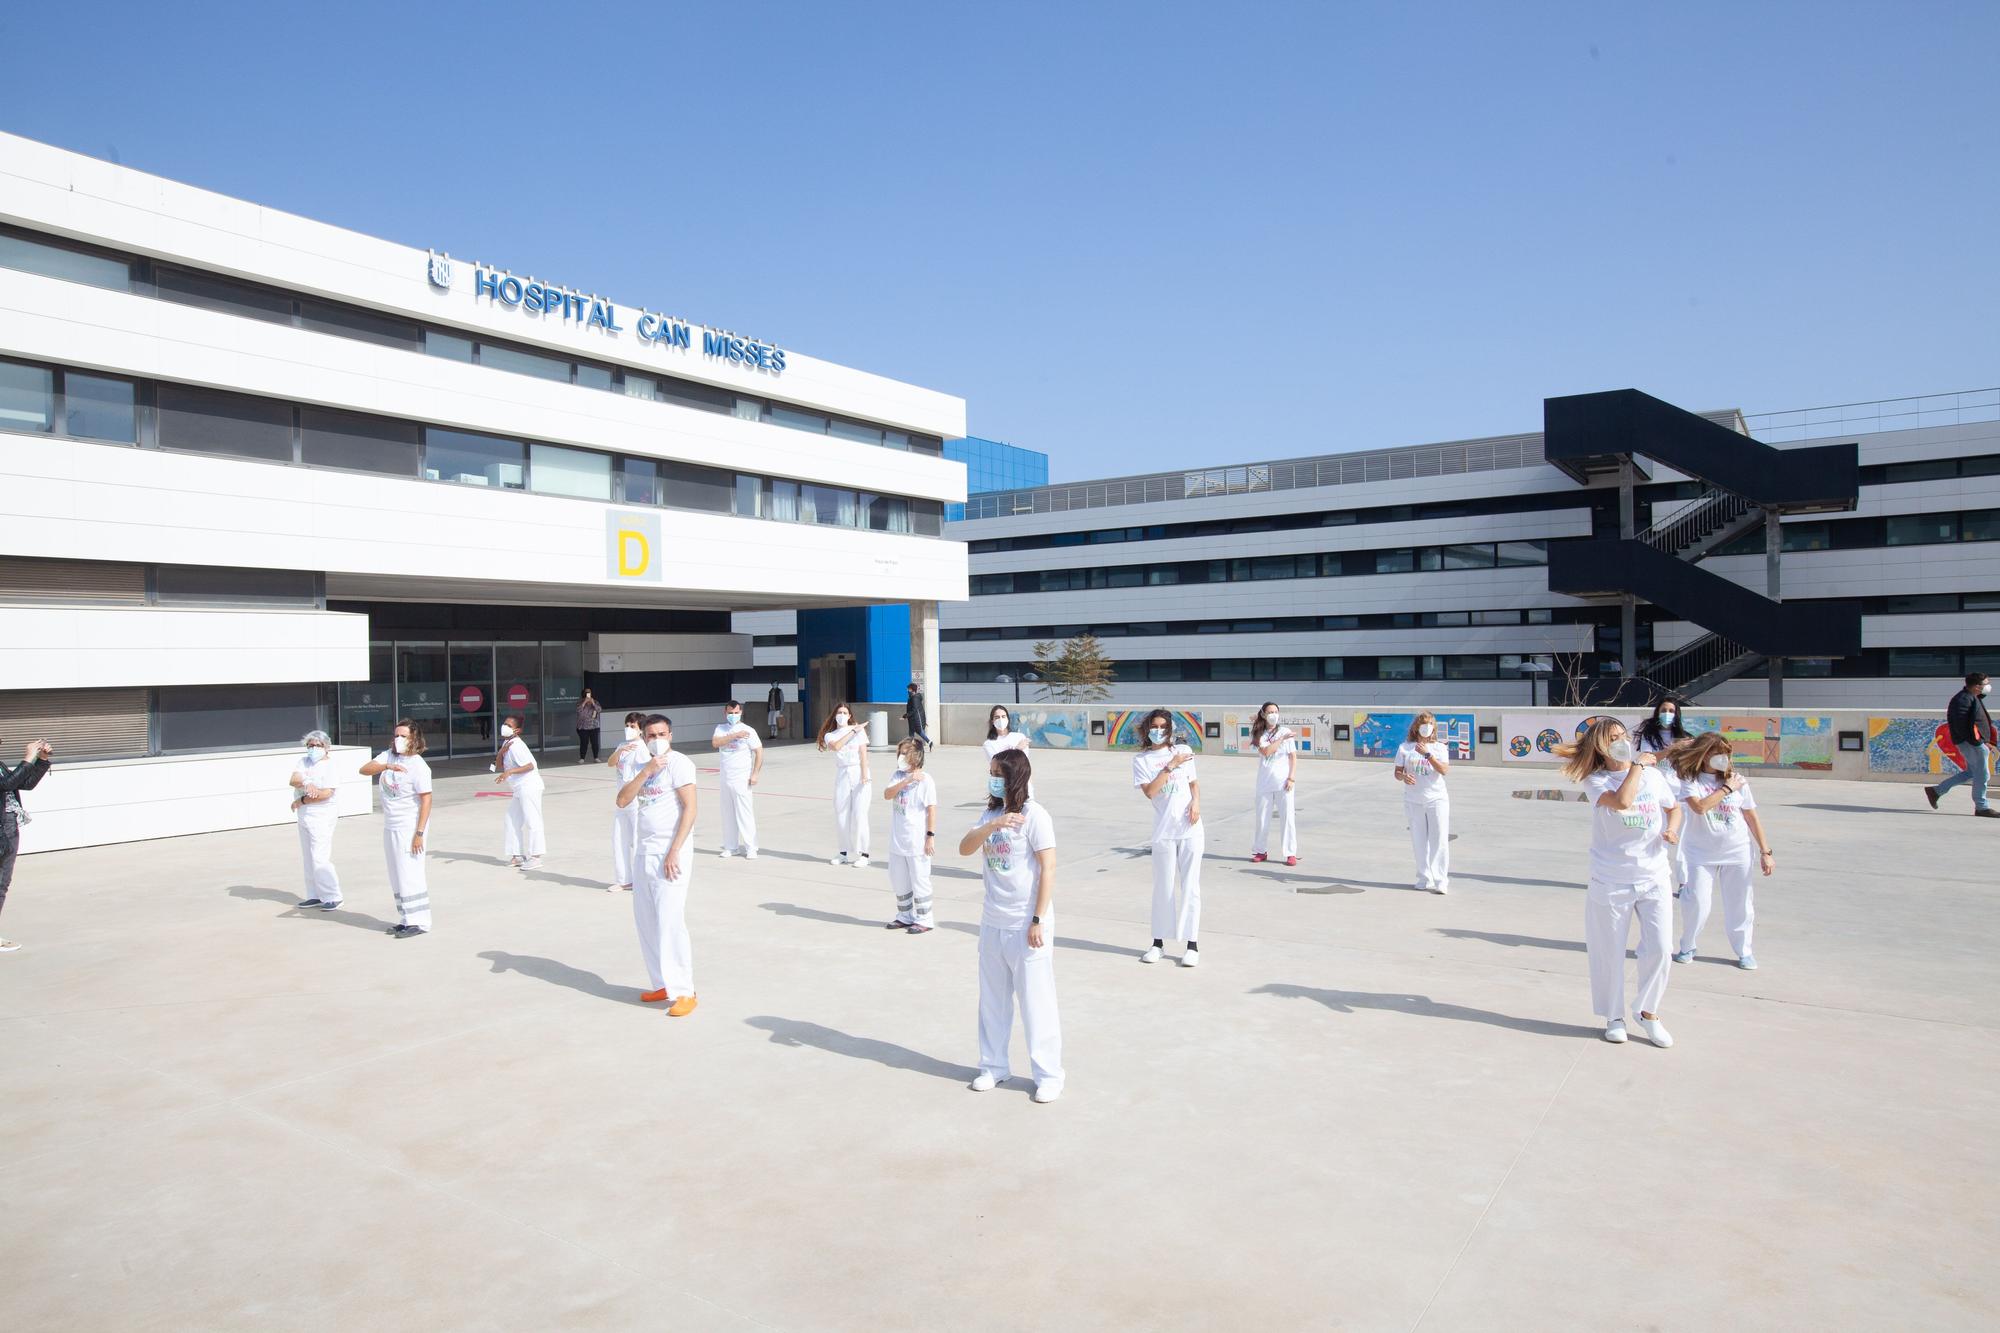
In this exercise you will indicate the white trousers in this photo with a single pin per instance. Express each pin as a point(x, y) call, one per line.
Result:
point(624, 842)
point(1739, 908)
point(659, 909)
point(739, 820)
point(316, 850)
point(910, 877)
point(1011, 973)
point(406, 873)
point(850, 811)
point(1177, 886)
point(1608, 910)
point(1283, 804)
point(1430, 841)
point(524, 821)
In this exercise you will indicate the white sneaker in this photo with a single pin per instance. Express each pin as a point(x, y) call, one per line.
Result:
point(1151, 955)
point(725, 853)
point(984, 1083)
point(1614, 1032)
point(750, 855)
point(861, 861)
point(1192, 958)
point(1440, 890)
point(532, 863)
point(9, 946)
point(839, 860)
point(1047, 1092)
point(1656, 1032)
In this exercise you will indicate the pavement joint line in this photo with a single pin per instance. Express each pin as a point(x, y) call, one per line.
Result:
point(1494, 1197)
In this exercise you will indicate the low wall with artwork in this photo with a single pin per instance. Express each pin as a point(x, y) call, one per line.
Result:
point(1860, 744)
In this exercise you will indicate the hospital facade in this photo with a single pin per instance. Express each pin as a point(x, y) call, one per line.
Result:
point(260, 474)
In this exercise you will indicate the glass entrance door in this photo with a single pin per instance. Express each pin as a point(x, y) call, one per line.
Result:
point(420, 688)
point(517, 669)
point(473, 711)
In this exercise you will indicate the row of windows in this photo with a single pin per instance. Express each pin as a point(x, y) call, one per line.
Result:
point(1325, 564)
point(1863, 534)
point(182, 719)
point(1930, 469)
point(1540, 615)
point(1871, 663)
point(774, 641)
point(163, 415)
point(35, 579)
point(49, 257)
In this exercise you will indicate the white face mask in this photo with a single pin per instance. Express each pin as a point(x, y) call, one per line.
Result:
point(1000, 725)
point(314, 754)
point(505, 730)
point(732, 718)
point(658, 746)
point(1270, 719)
point(1157, 736)
point(631, 733)
point(1425, 729)
point(1720, 763)
point(1666, 717)
point(1986, 689)
point(840, 719)
point(401, 745)
point(1620, 751)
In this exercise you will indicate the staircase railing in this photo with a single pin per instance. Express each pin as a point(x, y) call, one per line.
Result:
point(1693, 660)
point(1708, 512)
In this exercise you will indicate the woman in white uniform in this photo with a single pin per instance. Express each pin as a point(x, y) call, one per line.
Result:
point(664, 794)
point(1277, 776)
point(1000, 737)
point(516, 768)
point(848, 741)
point(1164, 771)
point(315, 805)
point(912, 838)
point(1017, 842)
point(1722, 827)
point(406, 813)
point(1634, 818)
point(1662, 730)
point(742, 764)
point(626, 761)
point(1422, 761)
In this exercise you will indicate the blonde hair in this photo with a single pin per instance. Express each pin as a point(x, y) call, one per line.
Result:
point(911, 751)
point(1586, 754)
point(1418, 721)
point(1690, 757)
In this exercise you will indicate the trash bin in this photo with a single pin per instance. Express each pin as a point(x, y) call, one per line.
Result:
point(878, 730)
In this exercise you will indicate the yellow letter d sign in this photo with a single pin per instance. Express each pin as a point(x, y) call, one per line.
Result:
point(632, 548)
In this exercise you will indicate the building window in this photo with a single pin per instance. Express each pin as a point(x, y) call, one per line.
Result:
point(357, 443)
point(555, 470)
point(595, 377)
point(99, 408)
point(827, 505)
point(1981, 525)
point(1468, 557)
point(1923, 662)
point(228, 585)
point(524, 363)
point(707, 489)
point(235, 717)
point(448, 345)
point(1396, 668)
point(1922, 529)
point(27, 397)
point(635, 385)
point(60, 261)
point(798, 418)
point(364, 325)
point(210, 291)
point(857, 431)
point(1522, 553)
point(638, 481)
point(206, 421)
point(1395, 562)
point(474, 460)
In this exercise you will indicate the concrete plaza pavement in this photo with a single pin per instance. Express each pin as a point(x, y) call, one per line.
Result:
point(1370, 1108)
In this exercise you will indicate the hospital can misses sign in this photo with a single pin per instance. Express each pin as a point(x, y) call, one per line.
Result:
point(550, 302)
point(632, 548)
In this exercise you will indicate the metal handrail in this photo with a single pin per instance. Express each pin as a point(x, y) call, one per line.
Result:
point(1883, 414)
point(1683, 527)
point(1693, 660)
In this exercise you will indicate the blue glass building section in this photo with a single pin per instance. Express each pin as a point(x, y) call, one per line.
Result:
point(993, 466)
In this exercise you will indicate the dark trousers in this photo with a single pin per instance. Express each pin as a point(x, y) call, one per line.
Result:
point(916, 729)
point(586, 742)
point(7, 868)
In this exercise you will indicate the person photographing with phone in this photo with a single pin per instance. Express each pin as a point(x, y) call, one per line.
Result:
point(24, 776)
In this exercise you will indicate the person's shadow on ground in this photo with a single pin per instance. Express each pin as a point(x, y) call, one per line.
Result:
point(545, 876)
point(561, 974)
point(797, 1032)
point(1421, 1006)
point(343, 916)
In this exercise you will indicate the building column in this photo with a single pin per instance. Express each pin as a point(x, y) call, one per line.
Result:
point(1774, 546)
point(1628, 606)
point(924, 662)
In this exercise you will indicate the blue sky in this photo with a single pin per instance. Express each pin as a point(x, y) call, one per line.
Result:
point(1147, 235)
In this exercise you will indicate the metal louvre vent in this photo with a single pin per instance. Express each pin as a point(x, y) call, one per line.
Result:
point(80, 724)
point(30, 579)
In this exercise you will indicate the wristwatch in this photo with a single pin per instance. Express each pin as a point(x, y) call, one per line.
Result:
point(1034, 921)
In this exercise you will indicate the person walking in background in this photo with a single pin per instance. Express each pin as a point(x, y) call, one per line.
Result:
point(1164, 773)
point(1720, 828)
point(742, 764)
point(913, 713)
point(406, 814)
point(912, 837)
point(626, 760)
point(1277, 775)
point(588, 717)
point(1971, 728)
point(1422, 761)
point(24, 776)
point(515, 766)
point(313, 803)
point(842, 735)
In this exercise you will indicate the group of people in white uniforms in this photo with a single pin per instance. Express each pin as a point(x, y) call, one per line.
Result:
point(843, 735)
point(406, 815)
point(515, 768)
point(1422, 764)
point(1277, 749)
point(663, 792)
point(1164, 772)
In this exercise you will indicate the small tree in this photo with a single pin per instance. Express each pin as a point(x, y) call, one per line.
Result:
point(1569, 672)
point(1078, 672)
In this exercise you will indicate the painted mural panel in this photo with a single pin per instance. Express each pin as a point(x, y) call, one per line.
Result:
point(1762, 741)
point(1531, 738)
point(1054, 728)
point(1314, 732)
point(1121, 728)
point(1376, 735)
point(1913, 745)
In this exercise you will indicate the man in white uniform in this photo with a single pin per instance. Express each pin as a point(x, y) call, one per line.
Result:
point(516, 767)
point(664, 793)
point(742, 764)
point(315, 804)
point(406, 813)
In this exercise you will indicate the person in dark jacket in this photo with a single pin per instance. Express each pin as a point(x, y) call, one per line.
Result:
point(913, 713)
point(1971, 728)
point(13, 781)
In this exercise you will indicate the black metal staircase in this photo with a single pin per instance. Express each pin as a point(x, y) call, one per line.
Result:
point(1747, 484)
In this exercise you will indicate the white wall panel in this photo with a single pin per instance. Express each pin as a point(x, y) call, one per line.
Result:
point(67, 647)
